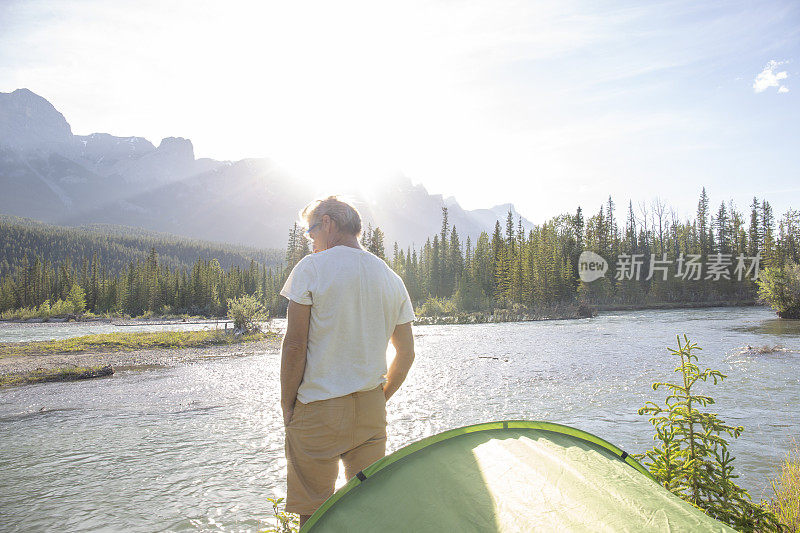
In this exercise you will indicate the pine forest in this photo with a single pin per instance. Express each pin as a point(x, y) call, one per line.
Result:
point(652, 258)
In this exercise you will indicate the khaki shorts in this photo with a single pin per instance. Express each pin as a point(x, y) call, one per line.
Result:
point(351, 428)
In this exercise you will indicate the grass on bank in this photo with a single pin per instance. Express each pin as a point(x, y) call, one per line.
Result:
point(56, 374)
point(46, 313)
point(785, 502)
point(124, 342)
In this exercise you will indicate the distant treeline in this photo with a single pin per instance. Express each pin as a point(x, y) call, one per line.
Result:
point(652, 257)
point(143, 287)
point(711, 258)
point(124, 271)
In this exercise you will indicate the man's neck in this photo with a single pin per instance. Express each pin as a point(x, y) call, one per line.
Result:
point(344, 240)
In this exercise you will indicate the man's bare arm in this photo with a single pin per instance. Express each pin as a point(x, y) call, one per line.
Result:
point(293, 355)
point(403, 342)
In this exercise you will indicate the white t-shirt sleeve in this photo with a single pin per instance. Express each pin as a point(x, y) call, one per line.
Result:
point(406, 309)
point(299, 284)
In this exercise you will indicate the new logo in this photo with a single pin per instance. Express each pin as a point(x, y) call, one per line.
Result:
point(591, 266)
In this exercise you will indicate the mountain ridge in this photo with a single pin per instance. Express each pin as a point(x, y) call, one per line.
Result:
point(49, 174)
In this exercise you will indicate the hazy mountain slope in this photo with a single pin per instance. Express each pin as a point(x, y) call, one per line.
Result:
point(47, 173)
point(116, 246)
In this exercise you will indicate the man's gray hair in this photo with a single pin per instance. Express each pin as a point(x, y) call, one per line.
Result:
point(345, 215)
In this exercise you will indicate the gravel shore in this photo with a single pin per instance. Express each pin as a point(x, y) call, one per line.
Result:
point(134, 359)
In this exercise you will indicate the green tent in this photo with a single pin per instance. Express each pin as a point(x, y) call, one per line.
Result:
point(507, 476)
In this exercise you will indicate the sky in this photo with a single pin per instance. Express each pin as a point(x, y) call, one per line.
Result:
point(548, 105)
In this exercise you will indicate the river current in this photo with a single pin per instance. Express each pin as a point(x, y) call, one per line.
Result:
point(200, 446)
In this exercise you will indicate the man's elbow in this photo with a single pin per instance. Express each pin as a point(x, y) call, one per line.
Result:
point(295, 347)
point(406, 357)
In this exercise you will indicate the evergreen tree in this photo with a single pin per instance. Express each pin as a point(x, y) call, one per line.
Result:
point(366, 239)
point(510, 241)
point(413, 283)
point(376, 243)
point(483, 263)
point(498, 254)
point(468, 255)
point(444, 276)
point(631, 234)
point(611, 235)
point(766, 231)
point(291, 247)
point(77, 299)
point(754, 231)
point(455, 261)
point(691, 458)
point(436, 269)
point(723, 230)
point(94, 285)
point(517, 267)
point(738, 233)
point(702, 222)
point(398, 262)
point(790, 237)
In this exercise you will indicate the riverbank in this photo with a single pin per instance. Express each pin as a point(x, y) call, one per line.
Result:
point(59, 374)
point(119, 320)
point(123, 351)
point(563, 312)
point(676, 305)
point(566, 312)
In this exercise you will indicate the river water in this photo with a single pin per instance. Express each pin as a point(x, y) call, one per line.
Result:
point(29, 331)
point(200, 446)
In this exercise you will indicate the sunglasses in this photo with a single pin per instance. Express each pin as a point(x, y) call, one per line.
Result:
point(307, 232)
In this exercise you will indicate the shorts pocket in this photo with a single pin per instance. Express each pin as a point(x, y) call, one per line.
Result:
point(297, 414)
point(331, 417)
point(323, 426)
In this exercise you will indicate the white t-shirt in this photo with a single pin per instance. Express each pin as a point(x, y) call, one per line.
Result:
point(356, 301)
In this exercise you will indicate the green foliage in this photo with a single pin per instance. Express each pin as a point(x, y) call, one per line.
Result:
point(691, 457)
point(376, 243)
point(76, 299)
point(59, 308)
point(785, 502)
point(538, 267)
point(146, 288)
point(57, 374)
point(128, 273)
point(780, 289)
point(437, 307)
point(247, 313)
point(297, 247)
point(44, 311)
point(283, 522)
point(469, 297)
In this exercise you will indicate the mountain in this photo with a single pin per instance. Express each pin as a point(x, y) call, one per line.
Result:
point(50, 174)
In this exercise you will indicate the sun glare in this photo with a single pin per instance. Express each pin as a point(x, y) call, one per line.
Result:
point(338, 101)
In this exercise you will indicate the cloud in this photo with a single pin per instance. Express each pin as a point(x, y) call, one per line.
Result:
point(769, 78)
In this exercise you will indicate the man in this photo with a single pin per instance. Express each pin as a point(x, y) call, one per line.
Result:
point(345, 304)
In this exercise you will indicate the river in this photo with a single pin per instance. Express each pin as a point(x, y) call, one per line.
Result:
point(200, 446)
point(33, 331)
